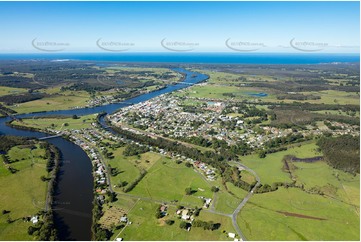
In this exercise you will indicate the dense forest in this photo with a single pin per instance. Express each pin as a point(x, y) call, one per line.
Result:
point(7, 142)
point(342, 152)
point(21, 98)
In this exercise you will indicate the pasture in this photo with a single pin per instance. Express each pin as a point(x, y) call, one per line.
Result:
point(145, 226)
point(59, 123)
point(167, 181)
point(269, 169)
point(310, 217)
point(63, 101)
point(22, 193)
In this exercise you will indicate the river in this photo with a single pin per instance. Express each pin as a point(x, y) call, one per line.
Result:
point(74, 192)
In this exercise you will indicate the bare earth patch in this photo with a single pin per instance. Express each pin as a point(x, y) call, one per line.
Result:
point(300, 215)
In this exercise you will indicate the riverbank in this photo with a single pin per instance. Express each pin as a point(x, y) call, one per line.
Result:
point(29, 213)
point(73, 200)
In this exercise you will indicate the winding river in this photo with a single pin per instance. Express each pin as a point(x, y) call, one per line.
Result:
point(74, 193)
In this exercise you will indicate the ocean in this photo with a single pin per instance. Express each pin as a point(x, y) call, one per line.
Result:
point(197, 58)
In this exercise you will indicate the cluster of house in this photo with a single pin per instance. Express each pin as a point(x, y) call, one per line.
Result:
point(215, 106)
point(100, 173)
point(209, 172)
point(185, 214)
point(206, 201)
point(90, 137)
point(343, 128)
point(102, 100)
point(100, 198)
point(100, 170)
point(164, 115)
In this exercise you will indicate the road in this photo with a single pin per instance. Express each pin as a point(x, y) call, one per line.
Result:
point(233, 215)
point(244, 201)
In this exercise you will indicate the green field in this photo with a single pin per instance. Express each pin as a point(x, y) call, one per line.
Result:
point(334, 183)
point(336, 112)
point(67, 100)
point(10, 90)
point(261, 221)
point(167, 181)
point(222, 82)
point(58, 123)
point(130, 166)
point(226, 202)
point(339, 206)
point(327, 97)
point(146, 227)
point(217, 77)
point(335, 97)
point(219, 92)
point(269, 169)
point(22, 193)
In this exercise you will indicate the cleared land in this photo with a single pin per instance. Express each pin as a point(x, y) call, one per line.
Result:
point(59, 123)
point(63, 101)
point(269, 169)
point(22, 193)
point(130, 166)
point(261, 218)
point(10, 90)
point(167, 181)
point(294, 214)
point(143, 219)
point(214, 91)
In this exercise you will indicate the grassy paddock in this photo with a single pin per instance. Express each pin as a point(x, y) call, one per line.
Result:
point(261, 220)
point(145, 226)
point(167, 181)
point(130, 166)
point(10, 90)
point(58, 123)
point(269, 169)
point(66, 100)
point(22, 193)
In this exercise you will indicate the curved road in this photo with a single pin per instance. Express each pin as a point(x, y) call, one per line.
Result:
point(233, 216)
point(244, 201)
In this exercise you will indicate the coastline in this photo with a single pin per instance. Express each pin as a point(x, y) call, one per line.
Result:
point(169, 58)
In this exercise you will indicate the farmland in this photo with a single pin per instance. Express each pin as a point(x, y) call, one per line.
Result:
point(270, 168)
point(30, 191)
point(338, 206)
point(63, 101)
point(10, 90)
point(283, 212)
point(58, 123)
point(249, 132)
point(31, 87)
point(262, 220)
point(142, 217)
point(165, 180)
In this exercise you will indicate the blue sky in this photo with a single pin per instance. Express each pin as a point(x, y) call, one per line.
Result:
point(191, 26)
